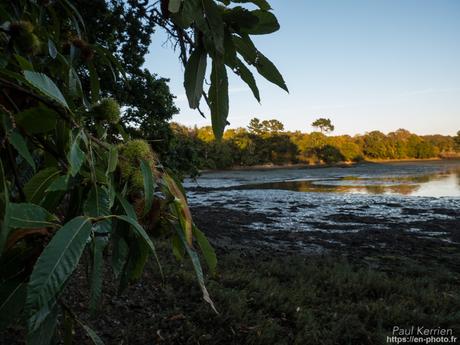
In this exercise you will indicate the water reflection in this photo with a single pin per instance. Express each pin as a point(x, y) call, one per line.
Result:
point(434, 185)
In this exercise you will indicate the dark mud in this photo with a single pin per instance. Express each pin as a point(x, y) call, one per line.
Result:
point(350, 236)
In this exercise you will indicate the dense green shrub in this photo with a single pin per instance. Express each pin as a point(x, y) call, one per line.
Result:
point(72, 180)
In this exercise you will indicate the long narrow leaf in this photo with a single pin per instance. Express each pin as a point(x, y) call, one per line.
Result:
point(37, 120)
point(60, 183)
point(149, 185)
point(35, 188)
point(57, 261)
point(120, 248)
point(46, 86)
point(181, 207)
point(144, 236)
point(194, 76)
point(246, 75)
point(20, 145)
point(52, 49)
point(197, 267)
point(267, 23)
point(112, 160)
point(93, 336)
point(264, 66)
point(4, 210)
point(30, 216)
point(134, 266)
point(127, 207)
point(45, 332)
point(98, 203)
point(206, 248)
point(99, 243)
point(216, 24)
point(24, 63)
point(76, 156)
point(218, 97)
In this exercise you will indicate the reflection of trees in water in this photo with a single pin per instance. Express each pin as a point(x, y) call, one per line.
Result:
point(404, 189)
point(308, 186)
point(420, 178)
point(403, 185)
point(408, 179)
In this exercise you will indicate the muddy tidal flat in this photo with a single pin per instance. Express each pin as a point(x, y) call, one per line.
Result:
point(402, 208)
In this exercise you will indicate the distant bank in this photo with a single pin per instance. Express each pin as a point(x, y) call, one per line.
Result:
point(265, 145)
point(324, 165)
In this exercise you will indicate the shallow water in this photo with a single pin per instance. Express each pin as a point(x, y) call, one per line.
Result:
point(442, 183)
point(437, 177)
point(422, 199)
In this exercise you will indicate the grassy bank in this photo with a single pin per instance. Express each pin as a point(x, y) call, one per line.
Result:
point(265, 299)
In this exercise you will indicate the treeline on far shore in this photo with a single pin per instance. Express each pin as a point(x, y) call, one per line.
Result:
point(266, 142)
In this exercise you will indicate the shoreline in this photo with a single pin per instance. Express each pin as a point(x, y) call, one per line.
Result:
point(263, 167)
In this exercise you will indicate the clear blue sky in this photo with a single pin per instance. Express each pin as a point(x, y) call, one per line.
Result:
point(365, 64)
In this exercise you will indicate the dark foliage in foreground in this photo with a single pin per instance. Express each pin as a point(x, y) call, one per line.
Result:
point(73, 182)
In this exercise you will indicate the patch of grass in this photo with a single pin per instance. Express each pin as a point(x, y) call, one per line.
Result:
point(305, 300)
point(272, 299)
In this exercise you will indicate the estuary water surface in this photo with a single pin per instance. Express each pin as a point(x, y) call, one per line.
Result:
point(418, 198)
